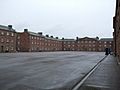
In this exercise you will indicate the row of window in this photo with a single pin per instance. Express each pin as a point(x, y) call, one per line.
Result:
point(34, 49)
point(69, 42)
point(69, 45)
point(86, 41)
point(39, 38)
point(9, 48)
point(7, 33)
point(86, 45)
point(7, 40)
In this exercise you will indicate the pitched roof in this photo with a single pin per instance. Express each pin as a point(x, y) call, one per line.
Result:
point(34, 34)
point(6, 28)
point(106, 39)
point(52, 38)
point(88, 38)
point(37, 34)
point(68, 39)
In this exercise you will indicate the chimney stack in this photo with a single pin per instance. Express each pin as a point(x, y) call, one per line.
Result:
point(10, 26)
point(56, 37)
point(51, 36)
point(40, 33)
point(47, 35)
point(25, 30)
point(77, 38)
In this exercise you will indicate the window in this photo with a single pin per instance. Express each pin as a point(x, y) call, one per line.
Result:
point(12, 48)
point(93, 49)
point(12, 34)
point(7, 48)
point(82, 41)
point(18, 48)
point(89, 45)
point(89, 49)
point(7, 33)
point(2, 40)
point(7, 40)
point(18, 37)
point(105, 42)
point(99, 49)
point(18, 42)
point(68, 42)
point(89, 41)
point(12, 41)
point(2, 33)
point(86, 41)
point(68, 45)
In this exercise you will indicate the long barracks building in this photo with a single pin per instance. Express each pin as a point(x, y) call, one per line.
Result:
point(116, 33)
point(12, 41)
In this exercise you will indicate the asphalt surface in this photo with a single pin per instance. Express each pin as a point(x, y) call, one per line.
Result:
point(45, 70)
point(105, 77)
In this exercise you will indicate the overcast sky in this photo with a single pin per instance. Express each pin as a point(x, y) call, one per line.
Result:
point(62, 18)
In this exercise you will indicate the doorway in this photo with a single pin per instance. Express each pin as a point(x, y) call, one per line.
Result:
point(2, 49)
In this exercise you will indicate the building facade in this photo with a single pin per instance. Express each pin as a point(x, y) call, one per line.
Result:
point(68, 44)
point(35, 42)
point(7, 39)
point(87, 44)
point(12, 41)
point(116, 33)
point(105, 43)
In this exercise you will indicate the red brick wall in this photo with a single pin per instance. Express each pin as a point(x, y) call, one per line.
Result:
point(7, 41)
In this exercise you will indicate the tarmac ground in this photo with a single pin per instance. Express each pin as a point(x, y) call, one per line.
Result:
point(47, 70)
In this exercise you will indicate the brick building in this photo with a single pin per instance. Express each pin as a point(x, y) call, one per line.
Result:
point(35, 42)
point(116, 33)
point(105, 43)
point(87, 44)
point(7, 39)
point(68, 44)
point(53, 44)
point(11, 41)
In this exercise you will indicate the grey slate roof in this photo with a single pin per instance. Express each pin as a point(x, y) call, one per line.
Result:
point(69, 40)
point(36, 34)
point(106, 39)
point(87, 38)
point(52, 38)
point(6, 28)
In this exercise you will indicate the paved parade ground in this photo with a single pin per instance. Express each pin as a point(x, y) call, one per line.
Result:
point(45, 70)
